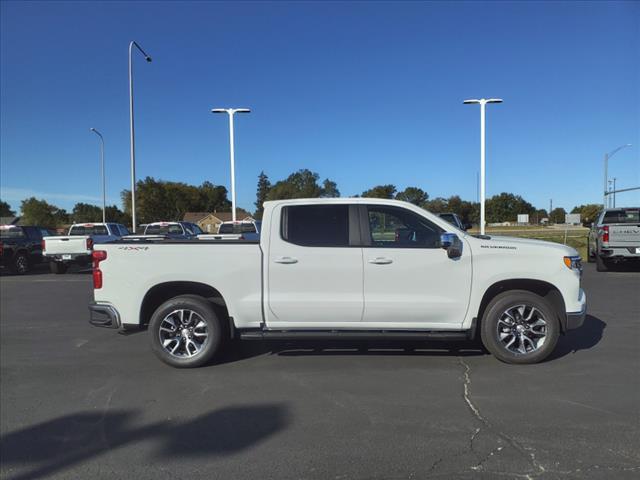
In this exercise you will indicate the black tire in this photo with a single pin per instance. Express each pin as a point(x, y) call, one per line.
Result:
point(57, 267)
point(184, 357)
point(496, 309)
point(601, 264)
point(21, 264)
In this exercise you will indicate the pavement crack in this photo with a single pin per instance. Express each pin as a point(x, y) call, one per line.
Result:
point(528, 453)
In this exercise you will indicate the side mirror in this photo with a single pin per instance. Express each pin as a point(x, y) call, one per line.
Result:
point(466, 226)
point(452, 244)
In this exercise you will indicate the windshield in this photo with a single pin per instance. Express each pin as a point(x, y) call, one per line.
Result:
point(88, 230)
point(449, 217)
point(624, 215)
point(166, 229)
point(227, 228)
point(11, 232)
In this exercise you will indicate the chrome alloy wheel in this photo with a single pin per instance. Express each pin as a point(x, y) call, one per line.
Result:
point(22, 264)
point(522, 329)
point(183, 333)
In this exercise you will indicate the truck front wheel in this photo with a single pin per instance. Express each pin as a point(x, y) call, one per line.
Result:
point(185, 331)
point(520, 327)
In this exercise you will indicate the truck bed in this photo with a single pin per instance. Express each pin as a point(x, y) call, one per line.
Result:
point(234, 265)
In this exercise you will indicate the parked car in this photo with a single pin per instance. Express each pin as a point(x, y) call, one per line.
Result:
point(614, 237)
point(76, 247)
point(21, 247)
point(239, 230)
point(323, 268)
point(455, 220)
point(173, 229)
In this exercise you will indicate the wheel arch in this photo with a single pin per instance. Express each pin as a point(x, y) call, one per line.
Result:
point(160, 293)
point(544, 289)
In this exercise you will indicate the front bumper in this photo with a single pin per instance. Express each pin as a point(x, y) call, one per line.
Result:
point(104, 315)
point(576, 319)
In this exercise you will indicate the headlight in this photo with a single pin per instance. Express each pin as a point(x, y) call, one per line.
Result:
point(574, 263)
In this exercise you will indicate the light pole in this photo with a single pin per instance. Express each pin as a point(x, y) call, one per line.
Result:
point(607, 156)
point(231, 112)
point(483, 102)
point(104, 201)
point(132, 131)
point(614, 192)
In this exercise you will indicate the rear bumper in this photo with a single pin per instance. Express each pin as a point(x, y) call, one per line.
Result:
point(104, 315)
point(620, 252)
point(72, 257)
point(576, 319)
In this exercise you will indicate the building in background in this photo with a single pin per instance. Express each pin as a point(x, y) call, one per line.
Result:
point(210, 221)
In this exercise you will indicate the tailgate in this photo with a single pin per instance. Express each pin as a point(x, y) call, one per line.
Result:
point(624, 235)
point(66, 245)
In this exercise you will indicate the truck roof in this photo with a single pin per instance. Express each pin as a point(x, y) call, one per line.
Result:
point(340, 200)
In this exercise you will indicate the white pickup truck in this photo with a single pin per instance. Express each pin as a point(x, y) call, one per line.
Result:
point(615, 237)
point(76, 247)
point(341, 268)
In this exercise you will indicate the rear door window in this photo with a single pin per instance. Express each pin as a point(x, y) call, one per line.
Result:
point(316, 225)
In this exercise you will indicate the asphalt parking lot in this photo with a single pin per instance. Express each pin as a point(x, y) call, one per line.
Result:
point(82, 402)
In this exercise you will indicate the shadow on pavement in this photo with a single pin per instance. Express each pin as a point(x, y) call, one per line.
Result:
point(58, 445)
point(583, 338)
point(243, 350)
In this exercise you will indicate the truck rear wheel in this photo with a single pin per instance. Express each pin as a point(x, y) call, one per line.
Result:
point(186, 332)
point(601, 264)
point(520, 327)
point(57, 267)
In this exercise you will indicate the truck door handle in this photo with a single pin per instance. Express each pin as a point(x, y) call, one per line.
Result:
point(380, 261)
point(286, 260)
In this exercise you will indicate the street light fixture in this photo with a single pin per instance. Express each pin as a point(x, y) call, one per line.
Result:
point(231, 112)
point(607, 156)
point(132, 131)
point(104, 201)
point(483, 102)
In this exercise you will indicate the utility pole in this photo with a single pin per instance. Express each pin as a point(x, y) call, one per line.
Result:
point(614, 192)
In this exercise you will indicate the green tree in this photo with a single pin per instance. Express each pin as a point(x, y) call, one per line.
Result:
point(264, 185)
point(557, 215)
point(43, 214)
point(380, 191)
point(414, 195)
point(506, 207)
point(330, 189)
point(84, 212)
point(436, 205)
point(302, 184)
point(5, 210)
point(162, 200)
point(588, 212)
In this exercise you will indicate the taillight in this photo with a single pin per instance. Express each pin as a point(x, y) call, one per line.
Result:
point(1, 248)
point(98, 256)
point(89, 243)
point(42, 244)
point(605, 233)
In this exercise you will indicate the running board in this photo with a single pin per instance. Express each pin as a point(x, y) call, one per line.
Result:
point(354, 335)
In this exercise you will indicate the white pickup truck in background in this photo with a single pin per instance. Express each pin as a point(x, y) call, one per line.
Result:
point(242, 230)
point(615, 237)
point(76, 247)
point(341, 268)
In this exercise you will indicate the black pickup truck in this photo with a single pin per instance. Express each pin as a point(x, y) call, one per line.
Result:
point(21, 247)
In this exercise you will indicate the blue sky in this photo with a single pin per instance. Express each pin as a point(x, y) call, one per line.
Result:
point(362, 93)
